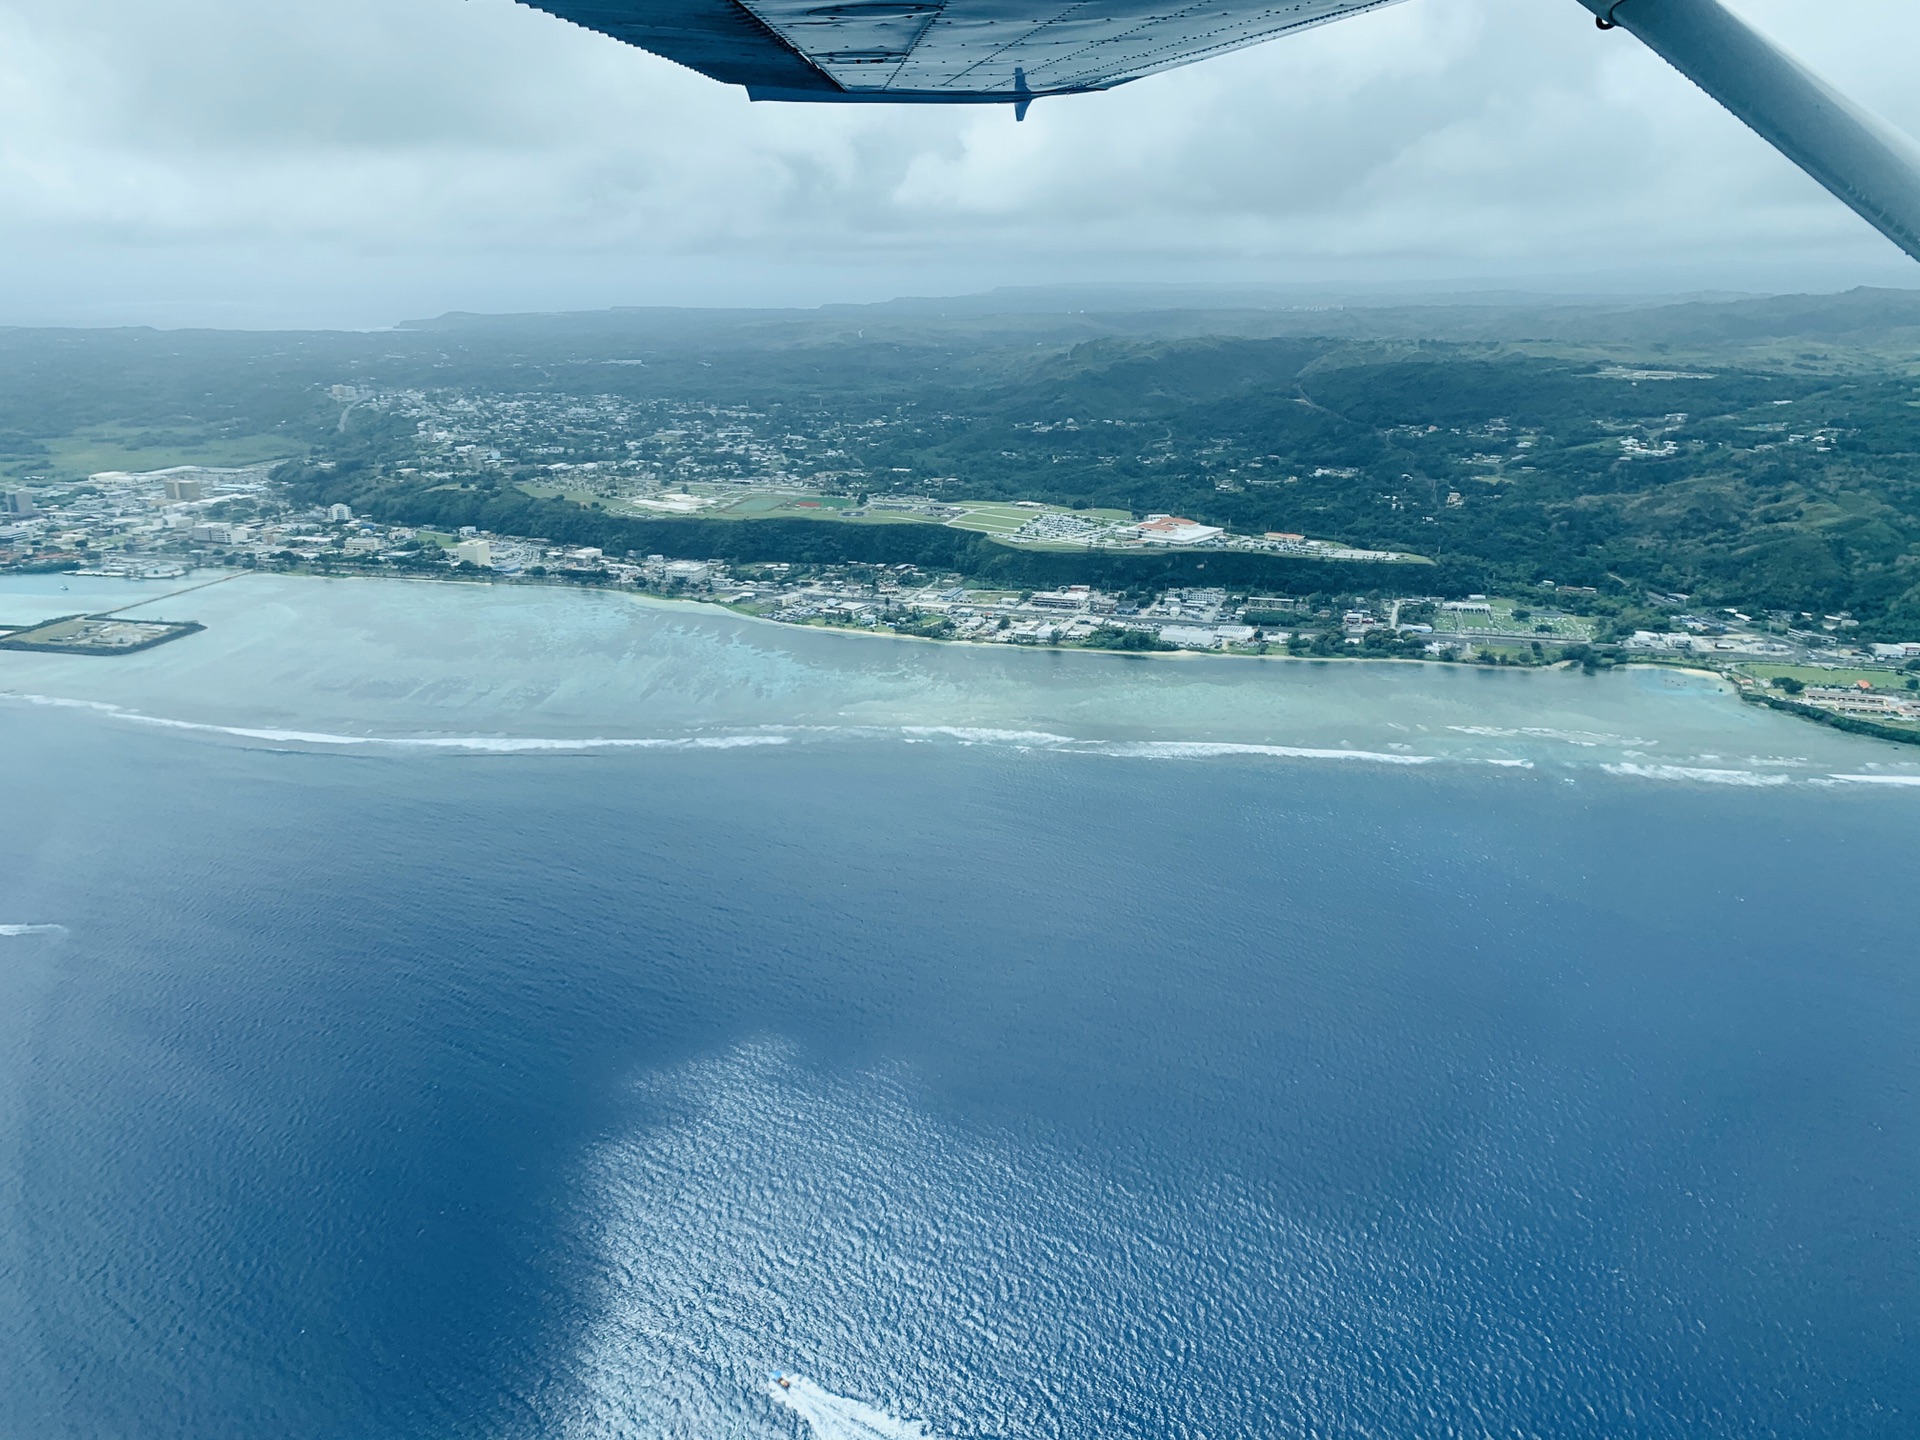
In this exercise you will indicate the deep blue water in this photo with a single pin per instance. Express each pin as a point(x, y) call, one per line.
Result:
point(1027, 1094)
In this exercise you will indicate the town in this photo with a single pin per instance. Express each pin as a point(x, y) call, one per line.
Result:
point(165, 524)
point(655, 459)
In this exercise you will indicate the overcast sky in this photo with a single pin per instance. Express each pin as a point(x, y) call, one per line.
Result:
point(359, 162)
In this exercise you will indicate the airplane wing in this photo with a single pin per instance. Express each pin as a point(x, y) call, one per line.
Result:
point(942, 51)
point(1862, 160)
point(960, 51)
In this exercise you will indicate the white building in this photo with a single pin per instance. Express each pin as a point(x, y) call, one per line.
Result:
point(339, 514)
point(1189, 637)
point(1660, 640)
point(473, 552)
point(1866, 703)
point(1175, 530)
point(1074, 597)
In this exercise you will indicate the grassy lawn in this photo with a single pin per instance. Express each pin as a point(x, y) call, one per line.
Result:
point(991, 519)
point(88, 452)
point(1001, 520)
point(1520, 649)
point(1819, 675)
point(756, 506)
point(995, 519)
point(810, 507)
point(557, 492)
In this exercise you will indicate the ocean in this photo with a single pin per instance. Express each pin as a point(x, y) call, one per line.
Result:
point(438, 1010)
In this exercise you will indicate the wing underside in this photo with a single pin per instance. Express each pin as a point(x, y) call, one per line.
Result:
point(941, 50)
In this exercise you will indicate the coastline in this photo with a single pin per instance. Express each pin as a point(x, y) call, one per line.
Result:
point(460, 655)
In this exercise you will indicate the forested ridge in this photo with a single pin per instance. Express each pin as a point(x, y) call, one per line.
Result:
point(1759, 453)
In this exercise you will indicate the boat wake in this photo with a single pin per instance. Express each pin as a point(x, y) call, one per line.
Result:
point(10, 930)
point(837, 1417)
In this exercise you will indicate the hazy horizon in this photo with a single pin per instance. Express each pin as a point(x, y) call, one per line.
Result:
point(1064, 298)
point(214, 165)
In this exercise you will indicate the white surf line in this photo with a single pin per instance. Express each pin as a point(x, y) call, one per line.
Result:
point(1587, 739)
point(837, 1417)
point(485, 744)
point(1156, 749)
point(6, 930)
point(986, 735)
point(480, 744)
point(1878, 779)
point(1698, 773)
point(1206, 749)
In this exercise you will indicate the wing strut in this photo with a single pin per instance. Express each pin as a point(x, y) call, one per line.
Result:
point(1863, 160)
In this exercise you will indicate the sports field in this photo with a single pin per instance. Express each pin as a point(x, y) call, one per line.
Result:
point(1822, 675)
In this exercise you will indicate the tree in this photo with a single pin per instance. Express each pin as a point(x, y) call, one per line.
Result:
point(1109, 637)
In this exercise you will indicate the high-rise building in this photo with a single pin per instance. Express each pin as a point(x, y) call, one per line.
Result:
point(179, 489)
point(17, 502)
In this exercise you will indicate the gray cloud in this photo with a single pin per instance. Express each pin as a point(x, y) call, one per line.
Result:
point(222, 161)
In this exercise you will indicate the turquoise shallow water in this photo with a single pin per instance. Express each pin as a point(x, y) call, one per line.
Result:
point(430, 1010)
point(476, 665)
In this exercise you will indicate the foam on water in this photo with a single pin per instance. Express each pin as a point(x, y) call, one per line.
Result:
point(478, 744)
point(1698, 774)
point(965, 735)
point(1210, 749)
point(1630, 762)
point(1586, 739)
point(987, 735)
point(347, 665)
point(12, 930)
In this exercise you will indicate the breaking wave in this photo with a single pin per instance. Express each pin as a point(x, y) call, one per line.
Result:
point(1006, 737)
point(1204, 749)
point(9, 930)
point(1586, 739)
point(1698, 773)
point(475, 744)
point(985, 735)
point(1155, 749)
point(963, 734)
